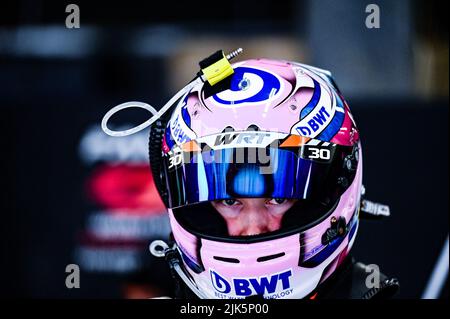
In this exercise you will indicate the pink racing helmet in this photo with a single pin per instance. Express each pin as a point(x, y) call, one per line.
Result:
point(274, 129)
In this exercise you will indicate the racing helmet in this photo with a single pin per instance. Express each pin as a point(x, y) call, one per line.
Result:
point(273, 129)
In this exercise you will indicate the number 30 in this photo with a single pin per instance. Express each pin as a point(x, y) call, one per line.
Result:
point(321, 153)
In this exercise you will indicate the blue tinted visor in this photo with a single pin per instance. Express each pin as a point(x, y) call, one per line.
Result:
point(305, 172)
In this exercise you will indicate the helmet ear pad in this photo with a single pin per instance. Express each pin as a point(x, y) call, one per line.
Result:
point(155, 140)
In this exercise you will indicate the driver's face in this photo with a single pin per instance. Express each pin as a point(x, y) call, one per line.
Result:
point(252, 216)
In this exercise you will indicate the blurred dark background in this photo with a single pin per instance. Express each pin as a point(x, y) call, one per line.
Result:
point(61, 203)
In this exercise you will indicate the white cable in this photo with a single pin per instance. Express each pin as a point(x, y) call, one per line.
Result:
point(156, 115)
point(438, 276)
point(151, 109)
point(188, 282)
point(159, 248)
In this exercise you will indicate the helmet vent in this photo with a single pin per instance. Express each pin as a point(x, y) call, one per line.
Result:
point(228, 129)
point(227, 260)
point(270, 257)
point(253, 127)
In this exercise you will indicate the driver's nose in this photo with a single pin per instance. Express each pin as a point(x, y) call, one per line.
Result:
point(255, 219)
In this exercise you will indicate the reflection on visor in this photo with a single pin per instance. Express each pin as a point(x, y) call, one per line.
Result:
point(305, 172)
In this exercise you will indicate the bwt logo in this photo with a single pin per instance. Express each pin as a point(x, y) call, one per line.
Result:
point(251, 286)
point(177, 131)
point(317, 121)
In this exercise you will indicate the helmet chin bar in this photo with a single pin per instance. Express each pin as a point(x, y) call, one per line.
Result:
point(159, 248)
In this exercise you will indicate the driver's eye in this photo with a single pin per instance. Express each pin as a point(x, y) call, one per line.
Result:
point(277, 201)
point(229, 202)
